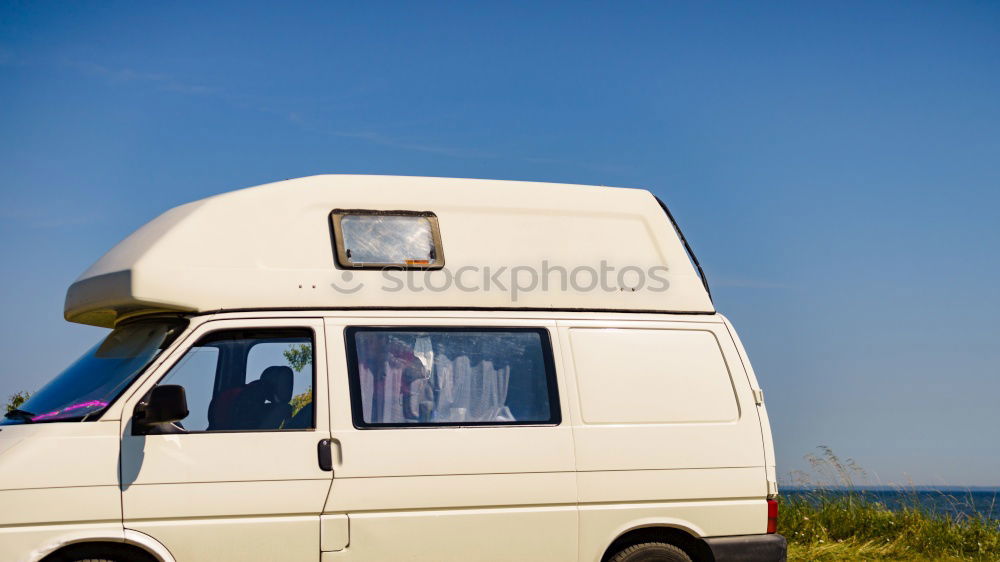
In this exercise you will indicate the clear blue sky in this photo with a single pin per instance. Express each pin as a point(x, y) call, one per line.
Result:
point(836, 167)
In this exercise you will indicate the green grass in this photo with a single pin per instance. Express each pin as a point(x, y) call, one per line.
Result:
point(849, 524)
point(826, 526)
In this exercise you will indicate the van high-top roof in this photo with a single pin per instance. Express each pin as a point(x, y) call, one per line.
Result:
point(309, 242)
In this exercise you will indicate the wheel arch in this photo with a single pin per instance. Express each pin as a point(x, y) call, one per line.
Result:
point(129, 539)
point(679, 535)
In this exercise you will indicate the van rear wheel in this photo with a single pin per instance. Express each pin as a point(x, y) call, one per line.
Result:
point(99, 552)
point(651, 552)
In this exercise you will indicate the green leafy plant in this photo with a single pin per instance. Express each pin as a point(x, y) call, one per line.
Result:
point(15, 400)
point(298, 357)
point(300, 401)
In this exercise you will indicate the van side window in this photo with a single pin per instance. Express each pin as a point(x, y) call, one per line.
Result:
point(406, 377)
point(247, 380)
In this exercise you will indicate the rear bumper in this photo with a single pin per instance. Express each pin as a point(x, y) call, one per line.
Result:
point(749, 548)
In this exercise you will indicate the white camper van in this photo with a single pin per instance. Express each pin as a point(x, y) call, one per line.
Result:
point(377, 368)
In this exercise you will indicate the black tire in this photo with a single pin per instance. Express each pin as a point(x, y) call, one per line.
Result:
point(651, 552)
point(99, 553)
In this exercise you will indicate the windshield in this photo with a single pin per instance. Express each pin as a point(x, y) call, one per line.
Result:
point(84, 390)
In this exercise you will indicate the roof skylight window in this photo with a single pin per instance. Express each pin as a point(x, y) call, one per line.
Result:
point(379, 239)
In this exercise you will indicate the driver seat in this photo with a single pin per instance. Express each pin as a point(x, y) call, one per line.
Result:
point(277, 410)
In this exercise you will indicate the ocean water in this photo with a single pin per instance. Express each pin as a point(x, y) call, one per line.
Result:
point(950, 502)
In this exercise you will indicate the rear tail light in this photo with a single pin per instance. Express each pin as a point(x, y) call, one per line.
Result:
point(772, 516)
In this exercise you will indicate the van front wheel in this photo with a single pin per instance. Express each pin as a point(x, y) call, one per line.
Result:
point(651, 552)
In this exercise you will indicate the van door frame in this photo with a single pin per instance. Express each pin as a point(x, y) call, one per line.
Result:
point(297, 510)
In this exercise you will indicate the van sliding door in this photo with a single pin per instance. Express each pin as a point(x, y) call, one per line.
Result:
point(453, 441)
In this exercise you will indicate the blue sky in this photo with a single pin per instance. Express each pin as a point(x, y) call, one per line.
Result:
point(836, 167)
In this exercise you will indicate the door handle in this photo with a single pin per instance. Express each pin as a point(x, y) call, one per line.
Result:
point(324, 451)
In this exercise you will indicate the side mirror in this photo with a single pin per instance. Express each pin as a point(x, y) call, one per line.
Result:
point(164, 404)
